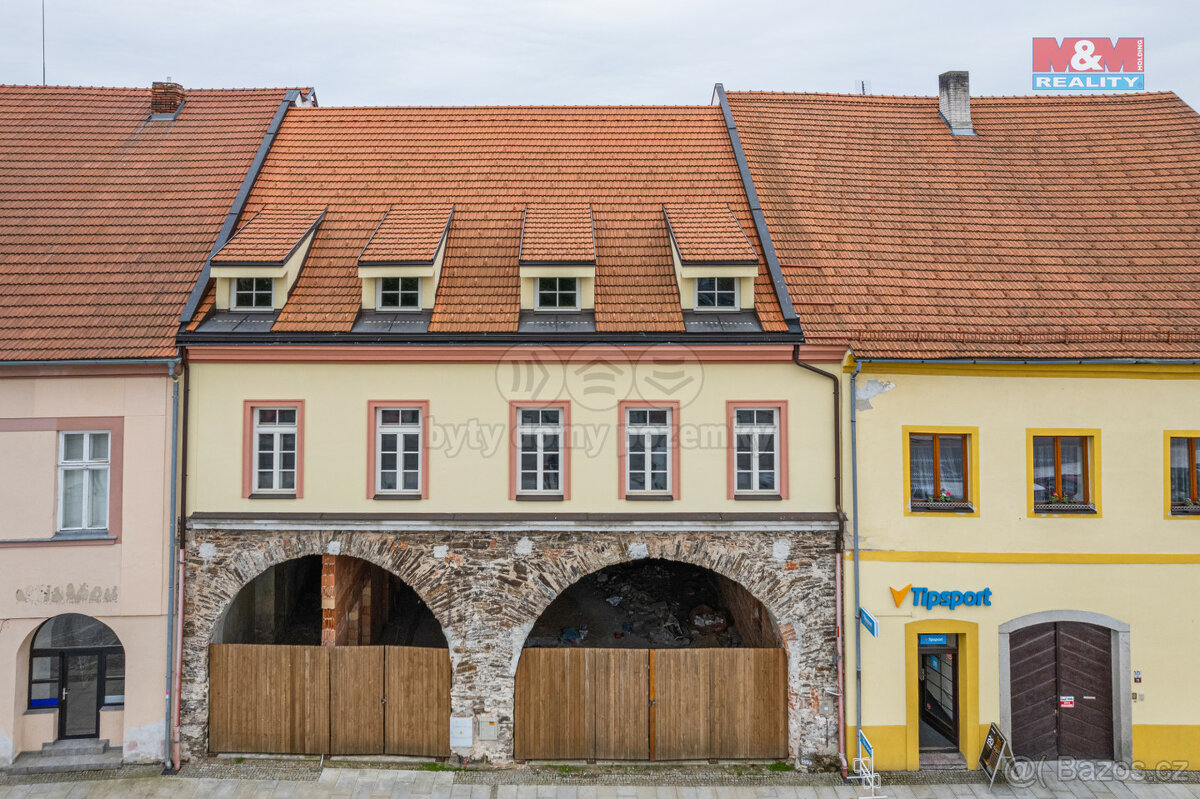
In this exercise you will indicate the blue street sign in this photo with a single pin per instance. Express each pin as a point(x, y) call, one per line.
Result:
point(869, 621)
point(864, 744)
point(938, 639)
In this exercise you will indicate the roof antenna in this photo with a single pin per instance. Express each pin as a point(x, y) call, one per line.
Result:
point(43, 42)
point(862, 87)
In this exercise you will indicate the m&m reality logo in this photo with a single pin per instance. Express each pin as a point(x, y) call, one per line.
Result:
point(1089, 64)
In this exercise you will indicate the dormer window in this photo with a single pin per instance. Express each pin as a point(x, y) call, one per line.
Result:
point(716, 293)
point(399, 293)
point(253, 294)
point(558, 293)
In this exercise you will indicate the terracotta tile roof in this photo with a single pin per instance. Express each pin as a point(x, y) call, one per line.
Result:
point(709, 234)
point(408, 234)
point(106, 217)
point(1070, 226)
point(270, 236)
point(492, 163)
point(557, 234)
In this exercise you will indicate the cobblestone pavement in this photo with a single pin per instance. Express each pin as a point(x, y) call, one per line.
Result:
point(368, 783)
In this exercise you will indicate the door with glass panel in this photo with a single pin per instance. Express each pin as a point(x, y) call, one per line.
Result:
point(77, 665)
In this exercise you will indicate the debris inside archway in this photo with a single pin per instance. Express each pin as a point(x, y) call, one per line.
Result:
point(654, 604)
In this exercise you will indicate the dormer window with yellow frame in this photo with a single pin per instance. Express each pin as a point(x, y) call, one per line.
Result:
point(260, 263)
point(401, 264)
point(715, 263)
point(941, 470)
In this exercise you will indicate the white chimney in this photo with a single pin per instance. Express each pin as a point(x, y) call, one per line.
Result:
point(954, 102)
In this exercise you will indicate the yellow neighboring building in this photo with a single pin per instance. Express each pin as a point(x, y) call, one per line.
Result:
point(1021, 305)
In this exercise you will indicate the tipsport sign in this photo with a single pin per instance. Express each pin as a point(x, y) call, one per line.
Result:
point(1089, 64)
point(929, 599)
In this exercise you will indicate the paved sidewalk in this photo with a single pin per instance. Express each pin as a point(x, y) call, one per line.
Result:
point(345, 783)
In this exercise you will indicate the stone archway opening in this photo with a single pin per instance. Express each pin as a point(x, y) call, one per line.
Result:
point(655, 604)
point(652, 660)
point(330, 600)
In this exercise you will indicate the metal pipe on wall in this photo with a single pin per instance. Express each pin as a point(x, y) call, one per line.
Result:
point(168, 763)
point(854, 511)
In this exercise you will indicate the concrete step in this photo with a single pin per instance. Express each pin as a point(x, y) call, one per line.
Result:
point(943, 761)
point(76, 746)
point(41, 763)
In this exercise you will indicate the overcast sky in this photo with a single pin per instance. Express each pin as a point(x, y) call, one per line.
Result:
point(438, 52)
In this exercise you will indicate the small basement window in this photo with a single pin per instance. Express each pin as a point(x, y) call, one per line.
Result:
point(558, 293)
point(716, 293)
point(399, 293)
point(253, 294)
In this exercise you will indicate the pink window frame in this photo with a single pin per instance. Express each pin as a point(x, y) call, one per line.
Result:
point(731, 455)
point(248, 407)
point(676, 466)
point(373, 407)
point(115, 425)
point(514, 451)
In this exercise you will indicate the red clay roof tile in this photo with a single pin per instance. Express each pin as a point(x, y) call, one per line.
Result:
point(558, 234)
point(709, 235)
point(106, 217)
point(408, 234)
point(1069, 227)
point(270, 236)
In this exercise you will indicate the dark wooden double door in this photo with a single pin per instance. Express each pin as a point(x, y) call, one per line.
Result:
point(1062, 696)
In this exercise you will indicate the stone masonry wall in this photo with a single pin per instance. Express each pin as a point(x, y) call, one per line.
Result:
point(488, 587)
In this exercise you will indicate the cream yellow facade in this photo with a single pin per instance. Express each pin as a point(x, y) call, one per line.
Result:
point(117, 576)
point(469, 429)
point(1128, 566)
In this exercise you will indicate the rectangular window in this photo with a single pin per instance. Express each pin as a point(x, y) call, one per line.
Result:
point(83, 471)
point(937, 469)
point(114, 679)
point(399, 293)
point(1185, 476)
point(275, 436)
point(1061, 476)
point(716, 293)
point(44, 680)
point(398, 450)
point(540, 453)
point(756, 450)
point(648, 451)
point(558, 293)
point(253, 294)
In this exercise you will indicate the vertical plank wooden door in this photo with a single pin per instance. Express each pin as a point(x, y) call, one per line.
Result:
point(749, 703)
point(417, 713)
point(357, 691)
point(620, 681)
point(682, 710)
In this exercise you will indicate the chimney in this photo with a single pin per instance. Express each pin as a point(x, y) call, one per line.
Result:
point(165, 97)
point(954, 102)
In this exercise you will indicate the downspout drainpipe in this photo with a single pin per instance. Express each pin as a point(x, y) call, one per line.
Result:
point(181, 561)
point(838, 546)
point(170, 764)
point(854, 511)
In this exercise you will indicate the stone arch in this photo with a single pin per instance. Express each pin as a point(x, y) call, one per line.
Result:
point(558, 573)
point(234, 571)
point(1121, 671)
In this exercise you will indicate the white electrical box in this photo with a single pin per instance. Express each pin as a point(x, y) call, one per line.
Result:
point(488, 730)
point(462, 729)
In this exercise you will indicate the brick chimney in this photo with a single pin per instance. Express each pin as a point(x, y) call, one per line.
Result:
point(954, 102)
point(165, 97)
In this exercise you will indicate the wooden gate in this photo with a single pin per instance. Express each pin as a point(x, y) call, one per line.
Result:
point(639, 704)
point(1056, 661)
point(329, 700)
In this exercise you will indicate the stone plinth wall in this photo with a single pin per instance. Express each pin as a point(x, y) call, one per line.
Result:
point(488, 587)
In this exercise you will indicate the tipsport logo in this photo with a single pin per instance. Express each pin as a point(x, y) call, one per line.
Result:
point(1089, 65)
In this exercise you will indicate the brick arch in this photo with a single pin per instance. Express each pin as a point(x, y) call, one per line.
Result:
point(558, 572)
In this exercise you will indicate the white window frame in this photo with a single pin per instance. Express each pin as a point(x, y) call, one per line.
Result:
point(276, 430)
point(379, 306)
point(645, 431)
point(537, 294)
point(400, 430)
point(755, 431)
point(233, 296)
point(737, 295)
point(89, 465)
point(540, 430)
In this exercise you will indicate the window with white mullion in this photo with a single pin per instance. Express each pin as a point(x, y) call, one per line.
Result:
point(540, 435)
point(398, 294)
point(716, 293)
point(756, 450)
point(398, 450)
point(253, 294)
point(83, 472)
point(648, 451)
point(275, 434)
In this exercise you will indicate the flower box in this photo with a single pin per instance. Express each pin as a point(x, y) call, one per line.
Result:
point(1063, 507)
point(1185, 510)
point(940, 507)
